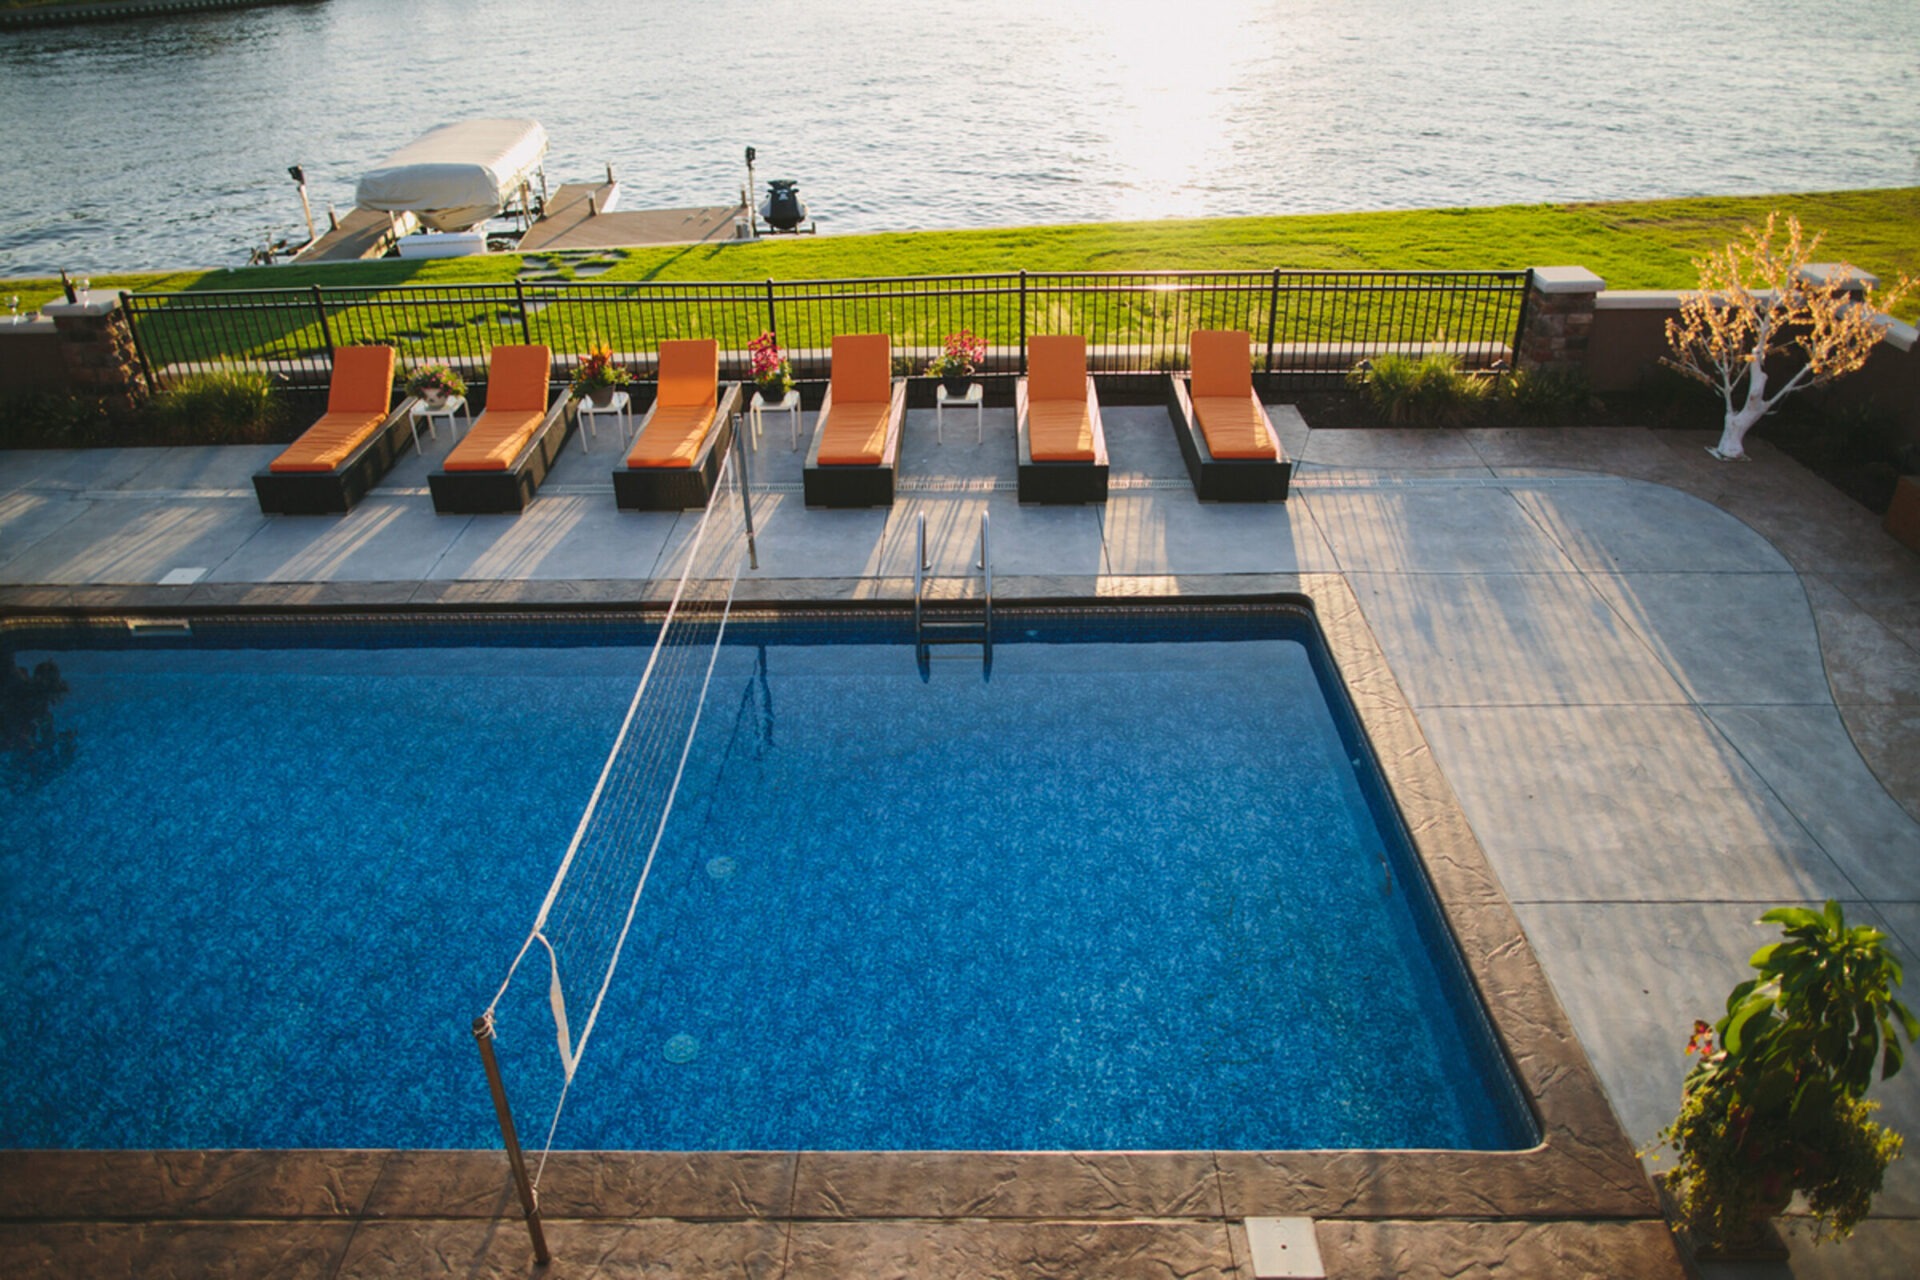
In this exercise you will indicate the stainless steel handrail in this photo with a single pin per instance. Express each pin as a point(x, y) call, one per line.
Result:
point(986, 574)
point(920, 567)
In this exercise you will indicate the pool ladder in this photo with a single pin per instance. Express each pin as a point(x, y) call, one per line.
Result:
point(951, 621)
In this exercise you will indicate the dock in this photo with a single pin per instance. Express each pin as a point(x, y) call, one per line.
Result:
point(577, 217)
point(363, 233)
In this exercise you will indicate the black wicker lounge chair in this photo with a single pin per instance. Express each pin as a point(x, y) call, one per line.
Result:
point(1233, 453)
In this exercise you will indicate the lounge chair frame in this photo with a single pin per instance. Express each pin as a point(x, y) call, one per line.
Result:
point(1059, 481)
point(856, 485)
point(1224, 479)
point(680, 488)
point(326, 493)
point(491, 492)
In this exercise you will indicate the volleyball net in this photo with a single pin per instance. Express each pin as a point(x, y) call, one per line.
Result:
point(578, 935)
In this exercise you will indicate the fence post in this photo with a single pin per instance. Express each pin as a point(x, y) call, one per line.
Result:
point(1520, 324)
point(773, 325)
point(139, 350)
point(320, 309)
point(526, 330)
point(1023, 322)
point(1273, 317)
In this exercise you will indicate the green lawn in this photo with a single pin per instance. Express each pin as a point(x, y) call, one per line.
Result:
point(1632, 245)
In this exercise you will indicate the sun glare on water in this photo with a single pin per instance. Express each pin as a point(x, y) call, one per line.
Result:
point(1173, 72)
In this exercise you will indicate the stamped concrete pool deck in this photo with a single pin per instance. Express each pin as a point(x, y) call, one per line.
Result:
point(1668, 694)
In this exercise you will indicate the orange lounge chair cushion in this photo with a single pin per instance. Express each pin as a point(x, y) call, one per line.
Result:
point(1060, 430)
point(862, 368)
point(326, 444)
point(1222, 363)
point(1235, 426)
point(689, 372)
point(362, 380)
point(497, 437)
point(855, 433)
point(517, 378)
point(1057, 367)
point(674, 434)
point(1059, 424)
point(358, 393)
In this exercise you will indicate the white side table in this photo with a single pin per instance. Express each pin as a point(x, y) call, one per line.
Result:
point(620, 408)
point(455, 406)
point(789, 403)
point(976, 396)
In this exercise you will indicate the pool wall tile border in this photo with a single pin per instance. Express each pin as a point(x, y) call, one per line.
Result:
point(1580, 1187)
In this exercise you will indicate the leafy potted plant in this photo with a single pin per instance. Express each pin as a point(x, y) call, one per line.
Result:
point(956, 365)
point(435, 384)
point(597, 377)
point(1776, 1104)
point(772, 375)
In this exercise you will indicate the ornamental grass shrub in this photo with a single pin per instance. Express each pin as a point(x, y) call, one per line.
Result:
point(1432, 390)
point(226, 405)
point(1543, 395)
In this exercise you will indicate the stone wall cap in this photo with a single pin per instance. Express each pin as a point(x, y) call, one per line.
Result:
point(1900, 334)
point(1566, 280)
point(1638, 300)
point(26, 324)
point(95, 303)
point(1822, 273)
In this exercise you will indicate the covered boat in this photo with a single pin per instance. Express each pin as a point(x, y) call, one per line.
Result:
point(457, 175)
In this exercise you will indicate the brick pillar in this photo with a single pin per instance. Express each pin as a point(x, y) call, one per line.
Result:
point(97, 353)
point(1560, 304)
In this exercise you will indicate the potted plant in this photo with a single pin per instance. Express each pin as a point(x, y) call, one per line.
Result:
point(435, 384)
point(1775, 1105)
point(772, 375)
point(956, 365)
point(597, 377)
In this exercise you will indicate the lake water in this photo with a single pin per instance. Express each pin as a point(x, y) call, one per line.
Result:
point(165, 141)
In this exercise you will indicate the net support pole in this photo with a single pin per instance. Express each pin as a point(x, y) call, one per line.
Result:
point(746, 497)
point(529, 1202)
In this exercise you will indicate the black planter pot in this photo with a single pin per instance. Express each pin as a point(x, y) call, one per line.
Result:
point(956, 384)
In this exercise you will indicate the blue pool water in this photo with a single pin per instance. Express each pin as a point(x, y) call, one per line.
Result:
point(1132, 892)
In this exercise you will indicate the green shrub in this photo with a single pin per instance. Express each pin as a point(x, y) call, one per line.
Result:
point(1544, 394)
point(53, 420)
point(228, 405)
point(1430, 391)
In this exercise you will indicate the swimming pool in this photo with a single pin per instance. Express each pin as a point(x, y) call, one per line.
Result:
point(1142, 889)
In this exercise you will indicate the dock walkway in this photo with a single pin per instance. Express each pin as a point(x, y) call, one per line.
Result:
point(571, 222)
point(363, 233)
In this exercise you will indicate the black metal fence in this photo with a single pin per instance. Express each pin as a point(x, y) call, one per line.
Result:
point(1308, 327)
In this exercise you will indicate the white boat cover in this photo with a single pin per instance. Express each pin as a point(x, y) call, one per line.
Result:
point(457, 175)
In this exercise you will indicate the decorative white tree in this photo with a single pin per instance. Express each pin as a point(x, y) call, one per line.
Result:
point(1758, 302)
